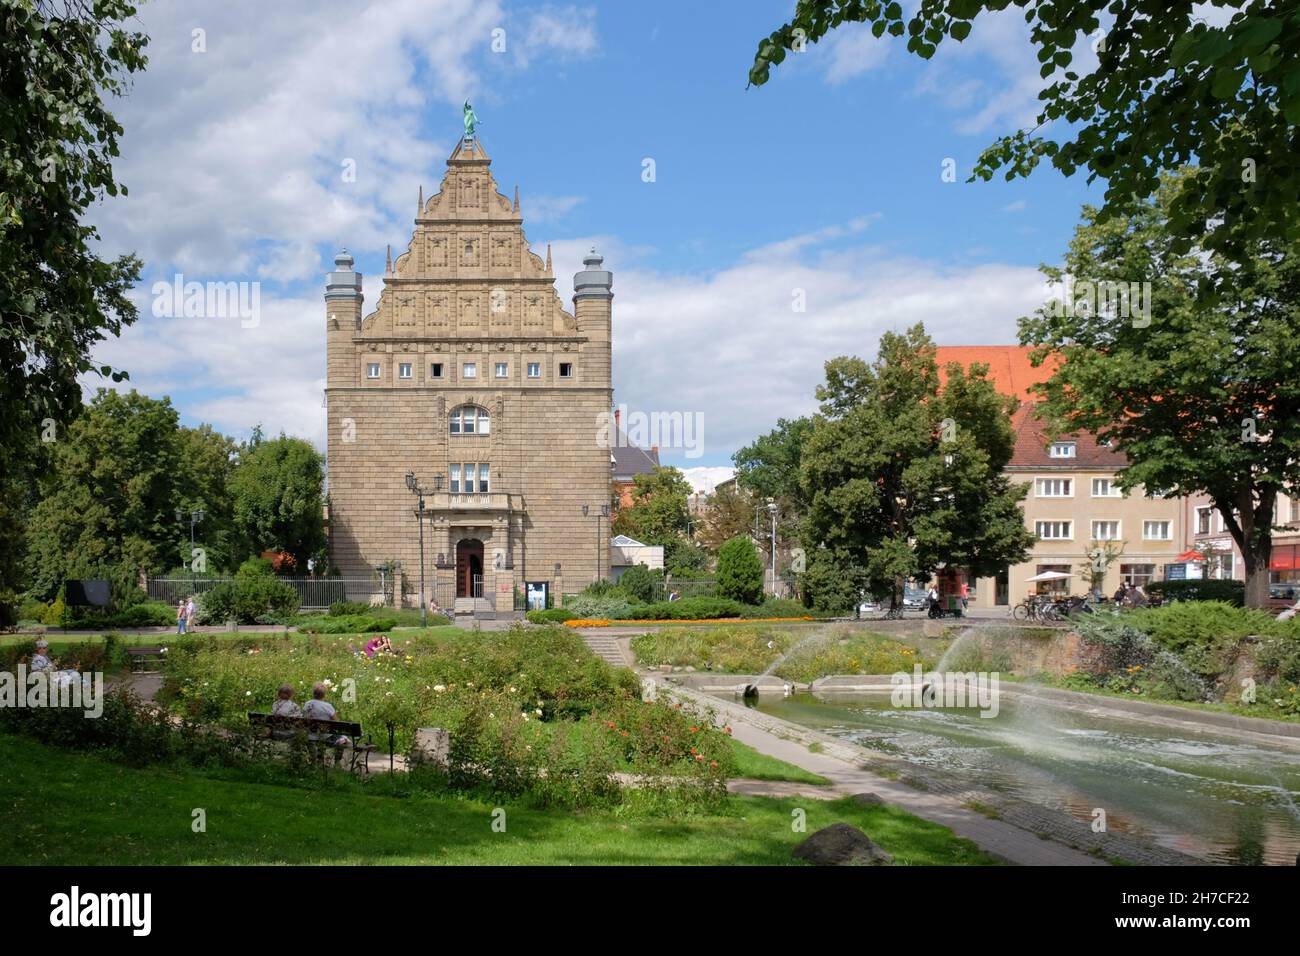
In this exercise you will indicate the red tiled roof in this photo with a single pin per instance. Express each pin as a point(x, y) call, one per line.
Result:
point(1009, 367)
point(1032, 441)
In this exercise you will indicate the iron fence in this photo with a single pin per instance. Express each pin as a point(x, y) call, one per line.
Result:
point(312, 592)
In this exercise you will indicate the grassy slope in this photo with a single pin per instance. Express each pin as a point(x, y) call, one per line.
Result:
point(753, 765)
point(58, 807)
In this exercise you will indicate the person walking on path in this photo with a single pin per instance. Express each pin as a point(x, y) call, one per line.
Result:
point(189, 614)
point(180, 617)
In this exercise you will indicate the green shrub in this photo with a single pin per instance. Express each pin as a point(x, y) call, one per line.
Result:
point(55, 614)
point(348, 624)
point(613, 604)
point(342, 608)
point(833, 584)
point(642, 583)
point(148, 614)
point(1190, 624)
point(778, 607)
point(555, 615)
point(740, 571)
point(687, 609)
point(1232, 592)
point(250, 595)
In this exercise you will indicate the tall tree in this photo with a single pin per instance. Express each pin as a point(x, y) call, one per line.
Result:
point(770, 466)
point(660, 507)
point(726, 513)
point(58, 61)
point(1164, 89)
point(903, 477)
point(278, 497)
point(116, 478)
point(1201, 396)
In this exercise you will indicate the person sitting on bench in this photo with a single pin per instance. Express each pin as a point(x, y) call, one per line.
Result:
point(284, 705)
point(318, 708)
point(41, 659)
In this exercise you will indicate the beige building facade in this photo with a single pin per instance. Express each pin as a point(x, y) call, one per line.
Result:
point(471, 374)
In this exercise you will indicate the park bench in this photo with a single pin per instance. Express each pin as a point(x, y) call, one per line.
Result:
point(318, 732)
point(143, 658)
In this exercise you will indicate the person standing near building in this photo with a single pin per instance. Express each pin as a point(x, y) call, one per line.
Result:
point(965, 596)
point(189, 614)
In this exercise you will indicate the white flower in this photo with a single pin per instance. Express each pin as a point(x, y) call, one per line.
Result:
point(248, 693)
point(439, 688)
point(538, 711)
point(512, 690)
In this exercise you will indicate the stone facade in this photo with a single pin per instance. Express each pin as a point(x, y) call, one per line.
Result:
point(469, 325)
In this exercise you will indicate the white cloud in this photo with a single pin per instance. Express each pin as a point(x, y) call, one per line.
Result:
point(539, 209)
point(705, 478)
point(1017, 206)
point(852, 52)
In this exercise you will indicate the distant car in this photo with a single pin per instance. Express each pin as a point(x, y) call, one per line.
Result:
point(914, 601)
point(868, 607)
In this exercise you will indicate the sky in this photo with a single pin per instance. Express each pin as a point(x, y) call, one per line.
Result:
point(782, 226)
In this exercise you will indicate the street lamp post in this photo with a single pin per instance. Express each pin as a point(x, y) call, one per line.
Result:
point(771, 507)
point(604, 513)
point(414, 487)
point(195, 518)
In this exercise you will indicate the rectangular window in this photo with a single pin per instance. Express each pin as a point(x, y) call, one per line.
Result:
point(566, 370)
point(1054, 488)
point(1105, 488)
point(534, 369)
point(372, 370)
point(455, 479)
point(1155, 530)
point(1053, 530)
point(482, 478)
point(469, 478)
point(1138, 575)
point(1061, 449)
point(1204, 520)
point(404, 370)
point(435, 370)
point(469, 370)
point(1105, 530)
point(503, 370)
point(1295, 510)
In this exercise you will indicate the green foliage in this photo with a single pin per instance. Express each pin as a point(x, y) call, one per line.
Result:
point(342, 608)
point(609, 604)
point(687, 609)
point(1129, 660)
point(253, 593)
point(147, 614)
point(1182, 625)
point(1229, 591)
point(55, 614)
point(744, 649)
point(642, 583)
point(903, 477)
point(684, 558)
point(770, 467)
point(115, 481)
point(659, 509)
point(58, 298)
point(1167, 85)
point(1228, 420)
point(554, 615)
point(833, 584)
point(347, 624)
point(278, 498)
point(740, 571)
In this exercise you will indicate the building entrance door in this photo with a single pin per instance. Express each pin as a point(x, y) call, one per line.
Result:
point(469, 567)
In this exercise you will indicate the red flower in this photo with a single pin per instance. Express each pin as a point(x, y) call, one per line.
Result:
point(699, 756)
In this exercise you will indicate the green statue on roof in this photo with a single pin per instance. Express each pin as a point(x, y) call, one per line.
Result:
point(471, 122)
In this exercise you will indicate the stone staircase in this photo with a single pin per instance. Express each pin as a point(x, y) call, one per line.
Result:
point(604, 645)
point(472, 606)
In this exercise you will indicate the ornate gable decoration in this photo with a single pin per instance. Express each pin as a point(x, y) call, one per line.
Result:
point(468, 269)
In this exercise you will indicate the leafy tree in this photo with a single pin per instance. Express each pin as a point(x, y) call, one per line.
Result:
point(903, 478)
point(1166, 89)
point(684, 558)
point(659, 509)
point(1097, 559)
point(116, 479)
point(728, 512)
point(770, 466)
point(833, 583)
point(278, 498)
point(1200, 396)
point(57, 298)
point(740, 571)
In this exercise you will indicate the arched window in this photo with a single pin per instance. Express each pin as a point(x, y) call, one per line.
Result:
point(470, 420)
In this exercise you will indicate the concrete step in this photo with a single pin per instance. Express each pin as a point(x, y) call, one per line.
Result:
point(472, 606)
point(605, 647)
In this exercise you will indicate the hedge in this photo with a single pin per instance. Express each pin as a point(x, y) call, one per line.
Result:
point(1234, 592)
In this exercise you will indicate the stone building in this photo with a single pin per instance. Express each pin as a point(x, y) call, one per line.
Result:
point(471, 374)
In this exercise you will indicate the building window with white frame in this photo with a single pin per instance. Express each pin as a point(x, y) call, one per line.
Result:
point(1054, 488)
point(1105, 488)
point(469, 370)
point(1156, 531)
point(534, 369)
point(1061, 449)
point(468, 478)
point(1106, 529)
point(503, 369)
point(470, 420)
point(1054, 530)
point(404, 370)
point(435, 370)
point(372, 370)
point(566, 370)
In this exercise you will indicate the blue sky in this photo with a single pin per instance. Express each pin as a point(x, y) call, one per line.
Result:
point(825, 183)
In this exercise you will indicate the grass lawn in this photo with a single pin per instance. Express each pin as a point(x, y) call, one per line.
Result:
point(758, 766)
point(59, 807)
point(60, 642)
